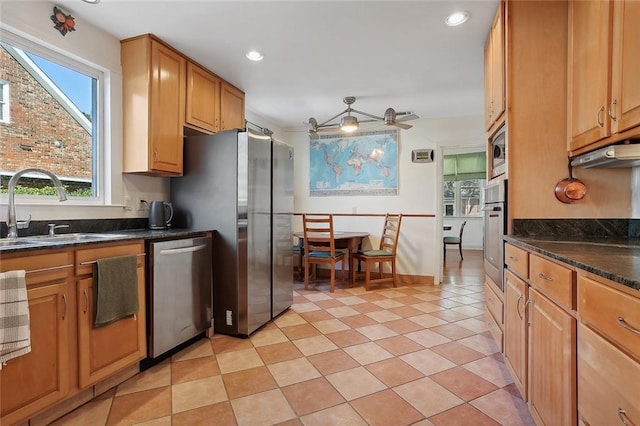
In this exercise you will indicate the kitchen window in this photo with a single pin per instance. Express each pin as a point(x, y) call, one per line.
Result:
point(464, 178)
point(4, 101)
point(55, 119)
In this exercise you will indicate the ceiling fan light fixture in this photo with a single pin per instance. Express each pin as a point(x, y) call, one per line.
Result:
point(457, 18)
point(349, 124)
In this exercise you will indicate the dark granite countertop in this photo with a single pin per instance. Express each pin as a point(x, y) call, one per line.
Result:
point(109, 236)
point(617, 259)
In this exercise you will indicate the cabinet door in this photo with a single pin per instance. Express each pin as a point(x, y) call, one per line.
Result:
point(552, 362)
point(589, 72)
point(488, 116)
point(608, 385)
point(497, 65)
point(203, 99)
point(103, 351)
point(515, 330)
point(625, 91)
point(167, 109)
point(36, 380)
point(232, 107)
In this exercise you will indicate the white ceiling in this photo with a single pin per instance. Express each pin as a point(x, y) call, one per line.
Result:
point(396, 54)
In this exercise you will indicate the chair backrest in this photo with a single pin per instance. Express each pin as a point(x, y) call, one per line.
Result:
point(462, 229)
point(318, 233)
point(390, 232)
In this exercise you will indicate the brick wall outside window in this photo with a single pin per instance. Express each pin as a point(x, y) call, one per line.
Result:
point(37, 121)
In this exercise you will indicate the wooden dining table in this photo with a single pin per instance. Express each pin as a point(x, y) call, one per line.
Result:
point(351, 240)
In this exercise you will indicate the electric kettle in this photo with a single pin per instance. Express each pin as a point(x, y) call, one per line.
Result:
point(160, 214)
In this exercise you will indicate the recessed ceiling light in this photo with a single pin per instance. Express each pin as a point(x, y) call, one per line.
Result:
point(254, 55)
point(457, 18)
point(91, 1)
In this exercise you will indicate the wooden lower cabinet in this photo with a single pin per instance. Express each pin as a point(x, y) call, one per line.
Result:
point(609, 389)
point(552, 362)
point(67, 354)
point(516, 295)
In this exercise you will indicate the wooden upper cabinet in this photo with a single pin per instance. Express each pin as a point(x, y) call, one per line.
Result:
point(232, 107)
point(625, 88)
point(154, 80)
point(494, 66)
point(203, 99)
point(604, 92)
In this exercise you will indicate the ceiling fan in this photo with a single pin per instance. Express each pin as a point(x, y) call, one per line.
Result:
point(349, 123)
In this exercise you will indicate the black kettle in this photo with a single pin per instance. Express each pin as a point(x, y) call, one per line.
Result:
point(160, 214)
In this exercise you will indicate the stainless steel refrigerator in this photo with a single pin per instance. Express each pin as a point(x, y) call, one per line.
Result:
point(240, 184)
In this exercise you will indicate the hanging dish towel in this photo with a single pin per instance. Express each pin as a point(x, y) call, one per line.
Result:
point(116, 289)
point(15, 334)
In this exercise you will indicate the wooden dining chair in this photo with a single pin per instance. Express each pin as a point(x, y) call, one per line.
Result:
point(320, 247)
point(386, 253)
point(454, 241)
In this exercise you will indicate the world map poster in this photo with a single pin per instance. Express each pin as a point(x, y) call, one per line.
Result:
point(361, 164)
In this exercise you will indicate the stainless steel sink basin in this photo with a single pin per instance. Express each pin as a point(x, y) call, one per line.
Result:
point(12, 243)
point(79, 236)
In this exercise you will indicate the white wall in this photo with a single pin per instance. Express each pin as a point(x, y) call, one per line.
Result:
point(420, 189)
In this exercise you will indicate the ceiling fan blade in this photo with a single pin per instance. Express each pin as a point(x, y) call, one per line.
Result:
point(402, 125)
point(407, 117)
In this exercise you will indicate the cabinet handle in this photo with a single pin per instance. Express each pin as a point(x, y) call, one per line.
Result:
point(86, 301)
point(155, 155)
point(529, 303)
point(64, 301)
point(544, 277)
point(622, 323)
point(52, 268)
point(515, 259)
point(611, 106)
point(600, 122)
point(518, 306)
point(622, 414)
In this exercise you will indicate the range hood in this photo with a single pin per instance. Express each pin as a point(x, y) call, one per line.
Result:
point(625, 155)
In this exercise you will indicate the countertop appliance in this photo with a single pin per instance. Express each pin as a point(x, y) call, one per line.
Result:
point(624, 155)
point(495, 227)
point(240, 184)
point(160, 214)
point(179, 301)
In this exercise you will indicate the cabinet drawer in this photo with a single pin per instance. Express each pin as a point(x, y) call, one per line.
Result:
point(608, 385)
point(85, 258)
point(517, 260)
point(494, 305)
point(494, 329)
point(553, 280)
point(615, 314)
point(41, 268)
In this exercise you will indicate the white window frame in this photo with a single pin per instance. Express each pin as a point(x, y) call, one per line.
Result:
point(457, 201)
point(101, 162)
point(5, 103)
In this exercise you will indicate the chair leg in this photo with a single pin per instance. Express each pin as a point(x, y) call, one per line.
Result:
point(306, 275)
point(367, 275)
point(393, 272)
point(460, 248)
point(444, 251)
point(344, 271)
point(333, 277)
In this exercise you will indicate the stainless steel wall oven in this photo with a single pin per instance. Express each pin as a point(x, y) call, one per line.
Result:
point(495, 227)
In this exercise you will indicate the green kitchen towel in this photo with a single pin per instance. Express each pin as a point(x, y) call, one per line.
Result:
point(116, 289)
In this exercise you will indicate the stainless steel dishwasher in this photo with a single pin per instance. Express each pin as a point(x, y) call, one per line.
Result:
point(179, 292)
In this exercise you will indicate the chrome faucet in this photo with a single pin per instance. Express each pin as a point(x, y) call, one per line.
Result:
point(12, 223)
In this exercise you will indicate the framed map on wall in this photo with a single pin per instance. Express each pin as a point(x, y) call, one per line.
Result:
point(359, 164)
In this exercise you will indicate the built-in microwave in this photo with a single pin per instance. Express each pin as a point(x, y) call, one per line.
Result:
point(498, 152)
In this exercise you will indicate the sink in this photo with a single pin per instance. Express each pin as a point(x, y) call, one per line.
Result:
point(12, 243)
point(79, 236)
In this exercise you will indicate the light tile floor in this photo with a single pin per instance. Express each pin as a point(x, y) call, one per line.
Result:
point(410, 355)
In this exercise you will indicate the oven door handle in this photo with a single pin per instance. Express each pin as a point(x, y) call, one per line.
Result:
point(492, 209)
